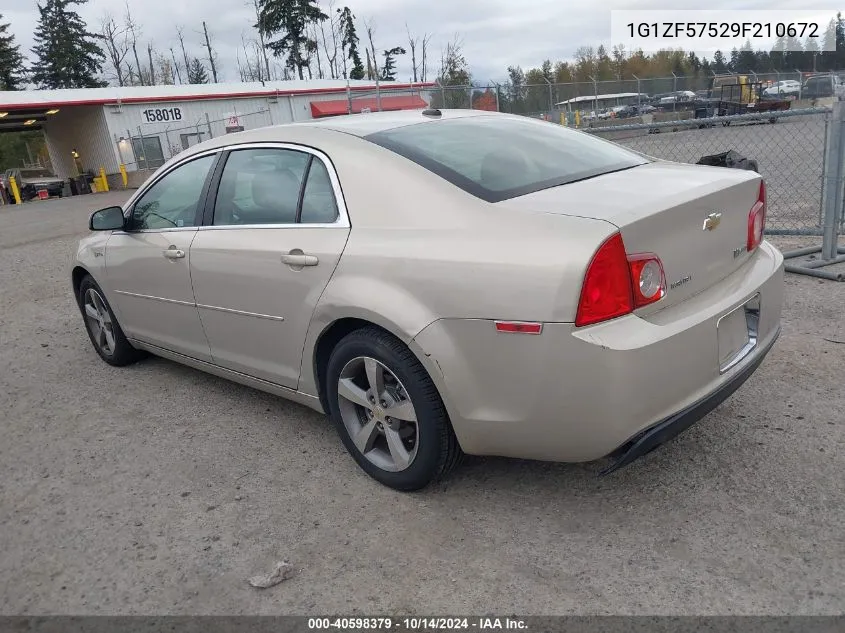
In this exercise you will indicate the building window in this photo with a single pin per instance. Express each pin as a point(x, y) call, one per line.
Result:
point(191, 139)
point(148, 152)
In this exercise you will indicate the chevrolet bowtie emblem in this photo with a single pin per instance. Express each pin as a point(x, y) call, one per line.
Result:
point(712, 221)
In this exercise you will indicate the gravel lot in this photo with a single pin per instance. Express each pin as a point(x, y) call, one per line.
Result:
point(159, 489)
point(789, 154)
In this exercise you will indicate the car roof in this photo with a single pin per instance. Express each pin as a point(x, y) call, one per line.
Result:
point(373, 122)
point(359, 125)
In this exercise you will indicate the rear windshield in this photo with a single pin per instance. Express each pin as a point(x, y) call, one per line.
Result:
point(497, 158)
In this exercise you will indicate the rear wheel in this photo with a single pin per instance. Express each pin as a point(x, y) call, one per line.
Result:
point(388, 411)
point(102, 326)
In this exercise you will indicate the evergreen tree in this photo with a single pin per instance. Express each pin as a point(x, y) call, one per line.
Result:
point(197, 73)
point(839, 56)
point(517, 93)
point(719, 65)
point(746, 60)
point(827, 59)
point(11, 60)
point(388, 71)
point(291, 17)
point(811, 55)
point(349, 44)
point(733, 64)
point(66, 54)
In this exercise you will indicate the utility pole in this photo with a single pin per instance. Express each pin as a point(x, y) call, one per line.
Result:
point(210, 52)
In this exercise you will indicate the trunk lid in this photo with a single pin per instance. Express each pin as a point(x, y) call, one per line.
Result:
point(662, 208)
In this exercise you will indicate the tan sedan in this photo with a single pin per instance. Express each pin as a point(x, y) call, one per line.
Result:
point(443, 283)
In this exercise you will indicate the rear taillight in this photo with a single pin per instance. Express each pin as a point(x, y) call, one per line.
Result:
point(606, 292)
point(617, 283)
point(648, 279)
point(757, 220)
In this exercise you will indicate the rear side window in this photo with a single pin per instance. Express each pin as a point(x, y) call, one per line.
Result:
point(497, 158)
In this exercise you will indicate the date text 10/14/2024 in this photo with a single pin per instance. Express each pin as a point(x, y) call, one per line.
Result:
point(417, 624)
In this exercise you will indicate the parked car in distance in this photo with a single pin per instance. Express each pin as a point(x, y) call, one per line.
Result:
point(31, 180)
point(441, 282)
point(680, 95)
point(634, 110)
point(785, 88)
point(822, 86)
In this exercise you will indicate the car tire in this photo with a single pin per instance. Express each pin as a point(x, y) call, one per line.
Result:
point(432, 453)
point(103, 329)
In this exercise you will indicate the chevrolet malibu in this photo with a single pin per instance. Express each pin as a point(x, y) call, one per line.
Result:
point(445, 282)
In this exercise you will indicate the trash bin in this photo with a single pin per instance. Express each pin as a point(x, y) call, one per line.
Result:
point(79, 186)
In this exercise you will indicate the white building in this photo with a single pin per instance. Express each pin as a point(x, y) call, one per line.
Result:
point(142, 126)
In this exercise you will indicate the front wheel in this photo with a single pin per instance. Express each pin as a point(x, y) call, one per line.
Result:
point(388, 411)
point(102, 326)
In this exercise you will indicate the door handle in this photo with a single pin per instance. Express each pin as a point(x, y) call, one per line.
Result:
point(173, 253)
point(299, 259)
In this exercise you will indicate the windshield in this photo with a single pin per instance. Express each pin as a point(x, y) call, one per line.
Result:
point(496, 158)
point(35, 173)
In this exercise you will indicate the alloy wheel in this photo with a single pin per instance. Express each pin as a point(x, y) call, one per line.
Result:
point(99, 321)
point(378, 414)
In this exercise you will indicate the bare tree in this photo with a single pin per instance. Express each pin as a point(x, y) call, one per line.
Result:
point(253, 68)
point(152, 72)
point(412, 44)
point(331, 43)
point(134, 32)
point(175, 65)
point(212, 56)
point(372, 51)
point(425, 41)
point(262, 44)
point(116, 42)
point(165, 74)
point(180, 33)
point(313, 48)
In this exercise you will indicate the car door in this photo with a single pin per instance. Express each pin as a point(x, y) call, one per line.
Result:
point(274, 234)
point(148, 264)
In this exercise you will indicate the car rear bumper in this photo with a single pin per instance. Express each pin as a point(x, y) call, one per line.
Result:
point(676, 424)
point(579, 394)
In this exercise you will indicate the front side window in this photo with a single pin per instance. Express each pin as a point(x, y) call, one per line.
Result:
point(274, 186)
point(496, 158)
point(172, 201)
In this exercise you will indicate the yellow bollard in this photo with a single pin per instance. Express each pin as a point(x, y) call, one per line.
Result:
point(563, 120)
point(103, 179)
point(578, 118)
point(124, 175)
point(15, 191)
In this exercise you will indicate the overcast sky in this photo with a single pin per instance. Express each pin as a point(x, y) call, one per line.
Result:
point(495, 33)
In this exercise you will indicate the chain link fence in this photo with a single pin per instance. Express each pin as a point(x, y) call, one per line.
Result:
point(788, 147)
point(667, 93)
point(148, 148)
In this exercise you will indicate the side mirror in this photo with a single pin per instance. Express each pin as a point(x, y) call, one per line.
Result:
point(108, 219)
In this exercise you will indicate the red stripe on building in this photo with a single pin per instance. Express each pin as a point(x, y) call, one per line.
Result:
point(341, 106)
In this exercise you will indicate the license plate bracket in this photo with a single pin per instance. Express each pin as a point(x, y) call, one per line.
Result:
point(737, 333)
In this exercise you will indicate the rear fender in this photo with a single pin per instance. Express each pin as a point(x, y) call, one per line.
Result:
point(386, 305)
